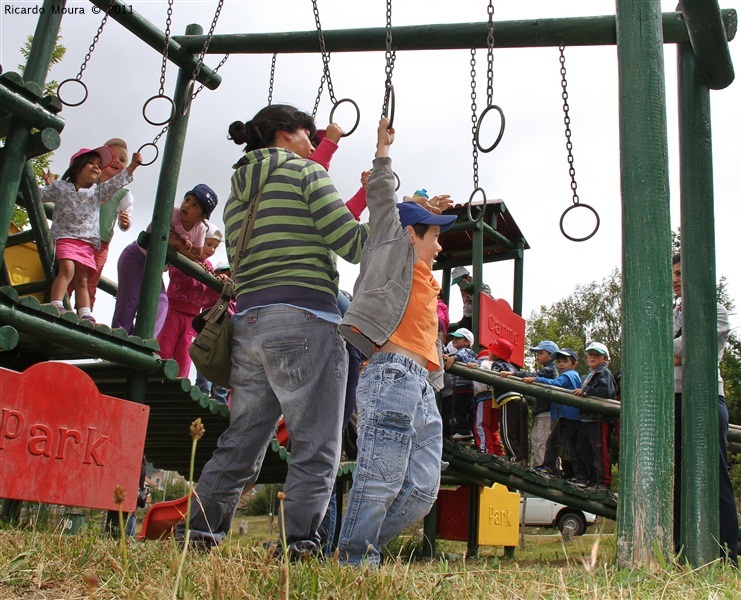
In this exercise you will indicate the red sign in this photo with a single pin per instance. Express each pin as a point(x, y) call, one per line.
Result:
point(63, 442)
point(497, 319)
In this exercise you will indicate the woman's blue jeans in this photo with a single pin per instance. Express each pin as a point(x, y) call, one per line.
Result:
point(285, 361)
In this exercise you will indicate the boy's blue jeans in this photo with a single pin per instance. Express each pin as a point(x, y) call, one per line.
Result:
point(284, 361)
point(397, 476)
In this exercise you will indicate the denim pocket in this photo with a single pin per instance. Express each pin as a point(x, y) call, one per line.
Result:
point(289, 363)
point(388, 439)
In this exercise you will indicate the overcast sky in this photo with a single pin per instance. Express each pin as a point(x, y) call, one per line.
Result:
point(433, 121)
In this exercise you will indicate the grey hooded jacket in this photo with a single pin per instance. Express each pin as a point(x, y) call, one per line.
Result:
point(384, 284)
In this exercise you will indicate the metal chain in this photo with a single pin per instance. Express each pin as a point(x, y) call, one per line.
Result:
point(325, 55)
point(474, 120)
point(318, 97)
point(272, 79)
point(166, 49)
point(210, 34)
point(83, 66)
point(567, 125)
point(216, 70)
point(490, 54)
point(197, 258)
point(390, 60)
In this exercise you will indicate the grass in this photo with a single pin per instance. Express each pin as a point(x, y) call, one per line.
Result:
point(44, 563)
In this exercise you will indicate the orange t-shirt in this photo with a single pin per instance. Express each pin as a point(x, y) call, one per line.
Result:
point(417, 331)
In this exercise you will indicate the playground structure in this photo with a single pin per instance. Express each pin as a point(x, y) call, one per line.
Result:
point(29, 333)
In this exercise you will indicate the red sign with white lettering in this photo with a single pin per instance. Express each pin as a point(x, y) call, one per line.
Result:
point(63, 442)
point(497, 319)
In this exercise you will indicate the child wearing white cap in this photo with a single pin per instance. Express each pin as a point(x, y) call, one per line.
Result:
point(589, 444)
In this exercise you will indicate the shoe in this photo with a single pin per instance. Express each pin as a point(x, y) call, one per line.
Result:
point(301, 550)
point(544, 471)
point(89, 318)
point(580, 483)
point(460, 437)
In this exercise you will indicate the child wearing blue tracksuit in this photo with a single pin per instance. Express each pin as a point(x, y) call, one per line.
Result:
point(566, 418)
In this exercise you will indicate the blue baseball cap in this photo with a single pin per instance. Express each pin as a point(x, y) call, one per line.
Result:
point(206, 198)
point(546, 345)
point(567, 353)
point(412, 213)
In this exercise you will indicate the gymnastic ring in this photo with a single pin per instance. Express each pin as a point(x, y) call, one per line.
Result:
point(390, 101)
point(582, 239)
point(357, 109)
point(469, 206)
point(156, 153)
point(398, 181)
point(166, 121)
point(59, 89)
point(478, 128)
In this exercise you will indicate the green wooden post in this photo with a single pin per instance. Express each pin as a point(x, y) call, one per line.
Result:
point(519, 278)
point(699, 502)
point(645, 506)
point(39, 224)
point(164, 202)
point(13, 157)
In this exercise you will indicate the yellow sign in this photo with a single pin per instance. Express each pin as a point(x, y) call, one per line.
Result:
point(499, 516)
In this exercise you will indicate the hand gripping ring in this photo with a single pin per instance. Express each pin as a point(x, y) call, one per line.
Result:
point(357, 110)
point(390, 97)
point(156, 153)
point(469, 206)
point(398, 181)
point(501, 128)
point(59, 89)
point(576, 239)
point(168, 119)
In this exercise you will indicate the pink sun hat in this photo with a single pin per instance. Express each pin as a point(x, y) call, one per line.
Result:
point(105, 153)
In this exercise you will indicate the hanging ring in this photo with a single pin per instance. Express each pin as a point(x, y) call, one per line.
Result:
point(168, 119)
point(357, 110)
point(576, 239)
point(501, 128)
point(390, 101)
point(469, 206)
point(156, 153)
point(398, 181)
point(84, 89)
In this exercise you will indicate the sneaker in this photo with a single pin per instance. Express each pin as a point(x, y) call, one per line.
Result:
point(544, 471)
point(89, 318)
point(580, 483)
point(460, 437)
point(301, 550)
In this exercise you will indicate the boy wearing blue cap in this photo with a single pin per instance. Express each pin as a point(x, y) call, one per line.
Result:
point(393, 321)
point(542, 423)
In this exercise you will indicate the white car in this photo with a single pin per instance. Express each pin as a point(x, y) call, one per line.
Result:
point(540, 512)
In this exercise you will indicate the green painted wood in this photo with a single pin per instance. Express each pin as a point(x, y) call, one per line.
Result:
point(155, 38)
point(699, 490)
point(8, 338)
point(518, 282)
point(603, 406)
point(39, 223)
point(13, 157)
point(646, 457)
point(42, 142)
point(709, 44)
point(31, 113)
point(571, 31)
point(69, 334)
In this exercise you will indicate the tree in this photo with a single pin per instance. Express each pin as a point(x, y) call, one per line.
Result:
point(590, 314)
point(40, 164)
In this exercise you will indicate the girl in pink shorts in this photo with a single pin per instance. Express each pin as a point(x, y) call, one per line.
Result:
point(77, 199)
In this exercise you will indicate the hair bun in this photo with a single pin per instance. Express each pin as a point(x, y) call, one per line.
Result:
point(238, 132)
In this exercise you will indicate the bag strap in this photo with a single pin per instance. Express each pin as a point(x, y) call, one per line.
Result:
point(245, 232)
